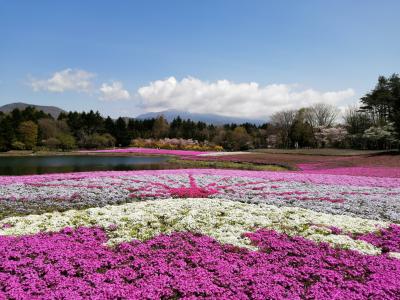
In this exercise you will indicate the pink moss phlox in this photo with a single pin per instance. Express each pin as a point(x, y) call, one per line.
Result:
point(388, 239)
point(75, 264)
point(335, 230)
point(273, 176)
point(112, 227)
point(389, 172)
point(182, 191)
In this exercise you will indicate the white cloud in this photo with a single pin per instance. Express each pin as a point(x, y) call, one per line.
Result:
point(65, 80)
point(232, 99)
point(113, 91)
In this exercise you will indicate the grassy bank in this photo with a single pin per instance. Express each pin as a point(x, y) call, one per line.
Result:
point(183, 163)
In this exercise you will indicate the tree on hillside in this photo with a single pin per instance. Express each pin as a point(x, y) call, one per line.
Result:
point(241, 139)
point(301, 133)
point(383, 102)
point(93, 122)
point(28, 134)
point(356, 122)
point(109, 126)
point(176, 127)
point(381, 137)
point(74, 121)
point(7, 133)
point(160, 128)
point(121, 133)
point(47, 128)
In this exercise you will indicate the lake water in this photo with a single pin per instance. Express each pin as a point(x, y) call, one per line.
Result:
point(23, 165)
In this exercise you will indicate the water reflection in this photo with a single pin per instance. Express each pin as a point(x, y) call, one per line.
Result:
point(61, 164)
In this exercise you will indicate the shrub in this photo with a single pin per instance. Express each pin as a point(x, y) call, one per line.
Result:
point(52, 143)
point(67, 142)
point(17, 145)
point(95, 141)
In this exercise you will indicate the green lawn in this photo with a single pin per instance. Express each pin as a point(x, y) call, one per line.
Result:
point(183, 163)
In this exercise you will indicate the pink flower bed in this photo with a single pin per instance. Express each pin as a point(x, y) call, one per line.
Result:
point(352, 171)
point(75, 264)
point(158, 189)
point(151, 151)
point(387, 239)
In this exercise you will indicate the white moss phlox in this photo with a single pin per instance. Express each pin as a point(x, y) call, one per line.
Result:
point(224, 220)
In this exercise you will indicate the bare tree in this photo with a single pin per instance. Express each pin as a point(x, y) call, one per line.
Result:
point(283, 121)
point(321, 115)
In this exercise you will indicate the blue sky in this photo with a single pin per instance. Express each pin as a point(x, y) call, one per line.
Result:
point(247, 58)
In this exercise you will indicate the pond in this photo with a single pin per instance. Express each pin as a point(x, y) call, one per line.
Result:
point(24, 165)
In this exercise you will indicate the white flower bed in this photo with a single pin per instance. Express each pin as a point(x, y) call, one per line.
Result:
point(222, 219)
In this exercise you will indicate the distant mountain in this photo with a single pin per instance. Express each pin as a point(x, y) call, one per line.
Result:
point(206, 118)
point(52, 110)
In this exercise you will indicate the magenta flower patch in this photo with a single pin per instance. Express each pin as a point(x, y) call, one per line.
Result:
point(74, 264)
point(387, 239)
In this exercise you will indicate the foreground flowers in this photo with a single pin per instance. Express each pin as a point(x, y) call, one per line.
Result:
point(187, 265)
point(199, 234)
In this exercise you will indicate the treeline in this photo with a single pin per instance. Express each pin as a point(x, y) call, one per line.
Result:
point(31, 129)
point(373, 124)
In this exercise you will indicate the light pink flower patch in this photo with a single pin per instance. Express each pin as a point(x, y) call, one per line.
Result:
point(178, 188)
point(352, 171)
point(303, 177)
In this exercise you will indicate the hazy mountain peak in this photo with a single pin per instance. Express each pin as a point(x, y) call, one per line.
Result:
point(207, 118)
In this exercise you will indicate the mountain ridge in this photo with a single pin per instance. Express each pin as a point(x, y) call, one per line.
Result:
point(52, 110)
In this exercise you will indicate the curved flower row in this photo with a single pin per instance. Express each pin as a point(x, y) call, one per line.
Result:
point(223, 220)
point(63, 193)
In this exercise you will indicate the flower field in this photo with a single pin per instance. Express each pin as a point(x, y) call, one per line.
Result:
point(199, 233)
